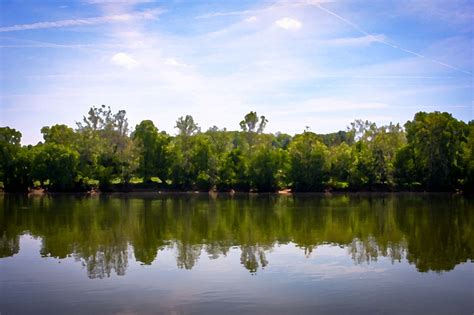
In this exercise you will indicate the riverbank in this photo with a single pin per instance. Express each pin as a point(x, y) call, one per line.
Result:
point(213, 194)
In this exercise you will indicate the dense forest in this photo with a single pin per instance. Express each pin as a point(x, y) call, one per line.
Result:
point(432, 152)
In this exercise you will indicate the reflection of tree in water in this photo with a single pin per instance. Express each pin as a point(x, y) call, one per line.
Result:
point(440, 246)
point(101, 263)
point(149, 232)
point(9, 246)
point(252, 257)
point(215, 249)
point(433, 233)
point(367, 250)
point(187, 255)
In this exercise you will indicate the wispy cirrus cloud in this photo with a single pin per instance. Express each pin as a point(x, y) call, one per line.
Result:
point(282, 4)
point(390, 43)
point(127, 2)
point(327, 105)
point(117, 18)
point(453, 11)
point(355, 41)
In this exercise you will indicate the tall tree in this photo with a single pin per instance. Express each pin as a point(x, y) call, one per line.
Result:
point(374, 154)
point(435, 140)
point(186, 126)
point(251, 123)
point(253, 126)
point(310, 163)
point(117, 157)
point(15, 161)
point(190, 152)
point(153, 157)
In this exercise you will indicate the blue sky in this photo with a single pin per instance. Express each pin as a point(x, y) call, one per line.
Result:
point(300, 63)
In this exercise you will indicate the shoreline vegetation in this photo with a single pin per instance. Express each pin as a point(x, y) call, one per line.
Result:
point(434, 152)
point(146, 193)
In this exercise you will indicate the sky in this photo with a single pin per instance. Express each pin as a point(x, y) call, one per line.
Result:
point(303, 63)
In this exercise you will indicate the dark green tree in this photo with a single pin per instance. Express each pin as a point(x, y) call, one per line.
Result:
point(310, 163)
point(153, 157)
point(436, 142)
point(267, 168)
point(57, 164)
point(15, 161)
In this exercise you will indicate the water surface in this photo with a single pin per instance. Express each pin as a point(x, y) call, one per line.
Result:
point(126, 254)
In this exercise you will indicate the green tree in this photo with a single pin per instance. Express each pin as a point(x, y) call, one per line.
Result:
point(186, 126)
point(221, 143)
point(15, 161)
point(374, 154)
point(59, 134)
point(153, 157)
point(468, 159)
point(56, 163)
point(436, 142)
point(115, 155)
point(234, 171)
point(310, 163)
point(341, 163)
point(405, 169)
point(252, 125)
point(267, 168)
point(190, 153)
point(281, 140)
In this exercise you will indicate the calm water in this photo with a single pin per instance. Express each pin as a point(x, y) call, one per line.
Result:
point(247, 254)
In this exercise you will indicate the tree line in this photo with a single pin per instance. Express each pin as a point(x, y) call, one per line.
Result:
point(432, 152)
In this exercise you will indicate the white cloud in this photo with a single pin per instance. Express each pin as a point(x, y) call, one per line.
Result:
point(173, 62)
point(251, 19)
point(327, 105)
point(289, 24)
point(124, 60)
point(149, 14)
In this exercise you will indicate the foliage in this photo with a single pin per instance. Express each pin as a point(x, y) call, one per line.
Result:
point(115, 154)
point(435, 146)
point(434, 152)
point(267, 168)
point(57, 164)
point(152, 147)
point(186, 126)
point(15, 161)
point(309, 160)
point(374, 154)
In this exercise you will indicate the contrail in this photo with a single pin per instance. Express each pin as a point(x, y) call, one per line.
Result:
point(355, 26)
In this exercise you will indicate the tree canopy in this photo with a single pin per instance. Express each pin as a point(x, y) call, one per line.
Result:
point(432, 152)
